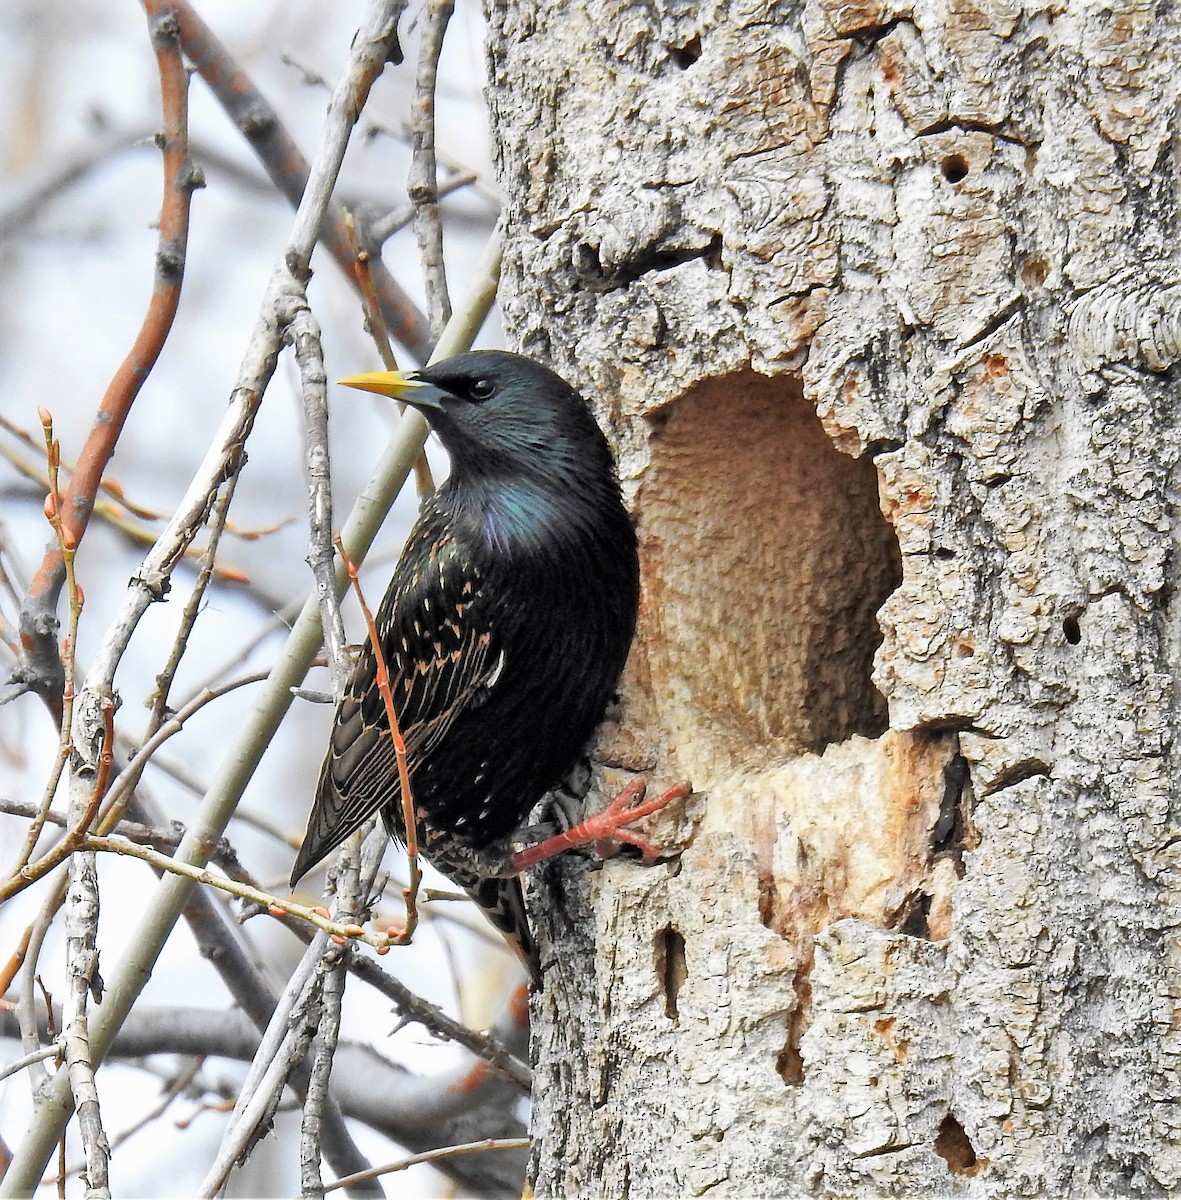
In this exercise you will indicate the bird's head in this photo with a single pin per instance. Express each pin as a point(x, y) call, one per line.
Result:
point(501, 415)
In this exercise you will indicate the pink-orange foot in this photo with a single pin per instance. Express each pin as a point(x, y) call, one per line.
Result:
point(611, 824)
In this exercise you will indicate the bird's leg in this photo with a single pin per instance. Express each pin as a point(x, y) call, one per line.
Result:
point(611, 824)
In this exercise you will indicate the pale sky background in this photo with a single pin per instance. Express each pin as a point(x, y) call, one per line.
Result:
point(76, 279)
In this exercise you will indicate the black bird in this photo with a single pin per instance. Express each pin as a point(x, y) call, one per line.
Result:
point(504, 628)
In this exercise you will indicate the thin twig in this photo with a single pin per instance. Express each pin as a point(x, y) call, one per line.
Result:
point(36, 1056)
point(317, 916)
point(261, 126)
point(353, 873)
point(82, 911)
point(219, 942)
point(82, 902)
point(323, 1051)
point(413, 1007)
point(120, 790)
point(275, 622)
point(112, 513)
point(26, 1009)
point(33, 190)
point(9, 971)
point(380, 230)
point(423, 182)
point(135, 831)
point(176, 1088)
point(402, 132)
point(409, 819)
point(217, 523)
point(372, 1090)
point(66, 548)
point(118, 507)
point(430, 1156)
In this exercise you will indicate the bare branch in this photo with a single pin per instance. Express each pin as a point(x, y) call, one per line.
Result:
point(423, 182)
point(260, 125)
point(375, 324)
point(304, 332)
point(77, 827)
point(219, 940)
point(371, 1089)
point(409, 822)
point(499, 1056)
point(375, 42)
point(81, 923)
point(280, 1049)
point(217, 524)
point(379, 231)
point(323, 1051)
point(27, 999)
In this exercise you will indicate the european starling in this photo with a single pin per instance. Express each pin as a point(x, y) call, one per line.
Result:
point(504, 630)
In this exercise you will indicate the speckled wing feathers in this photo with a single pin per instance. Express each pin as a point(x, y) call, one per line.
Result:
point(440, 660)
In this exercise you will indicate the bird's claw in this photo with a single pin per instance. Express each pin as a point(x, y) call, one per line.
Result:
point(609, 825)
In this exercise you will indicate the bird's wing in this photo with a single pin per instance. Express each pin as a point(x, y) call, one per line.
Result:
point(441, 659)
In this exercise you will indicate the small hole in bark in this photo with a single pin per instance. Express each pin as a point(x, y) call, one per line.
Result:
point(685, 56)
point(952, 1145)
point(954, 168)
point(948, 835)
point(914, 914)
point(789, 1062)
point(1071, 631)
point(1035, 271)
point(587, 263)
point(671, 968)
point(790, 1065)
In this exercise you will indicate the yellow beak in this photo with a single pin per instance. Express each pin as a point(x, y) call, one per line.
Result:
point(387, 383)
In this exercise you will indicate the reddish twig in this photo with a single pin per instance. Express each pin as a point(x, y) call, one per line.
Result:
point(42, 669)
point(410, 892)
point(259, 124)
point(67, 548)
point(10, 969)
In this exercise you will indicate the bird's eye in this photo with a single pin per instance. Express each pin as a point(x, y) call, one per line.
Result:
point(481, 389)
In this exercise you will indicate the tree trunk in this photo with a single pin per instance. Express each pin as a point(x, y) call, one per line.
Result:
point(921, 933)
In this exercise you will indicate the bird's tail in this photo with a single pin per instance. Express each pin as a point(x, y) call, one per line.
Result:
point(502, 901)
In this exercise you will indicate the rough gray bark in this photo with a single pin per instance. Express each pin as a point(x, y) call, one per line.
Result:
point(798, 253)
